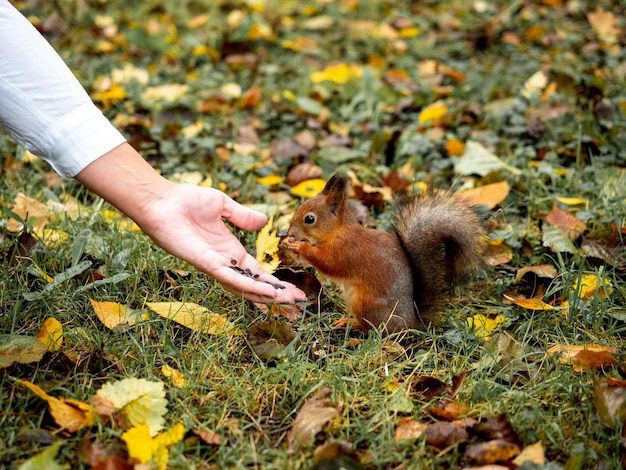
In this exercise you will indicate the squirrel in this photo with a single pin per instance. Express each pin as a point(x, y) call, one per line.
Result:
point(398, 279)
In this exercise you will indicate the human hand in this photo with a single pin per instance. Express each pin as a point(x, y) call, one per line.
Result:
point(187, 221)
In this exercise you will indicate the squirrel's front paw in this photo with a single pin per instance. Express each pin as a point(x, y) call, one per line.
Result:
point(292, 244)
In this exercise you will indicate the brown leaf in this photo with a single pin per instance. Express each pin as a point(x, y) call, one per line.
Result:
point(428, 387)
point(302, 172)
point(334, 450)
point(566, 222)
point(610, 402)
point(286, 148)
point(449, 411)
point(592, 356)
point(313, 415)
point(541, 270)
point(408, 428)
point(497, 427)
point(497, 450)
point(208, 437)
point(443, 434)
point(113, 463)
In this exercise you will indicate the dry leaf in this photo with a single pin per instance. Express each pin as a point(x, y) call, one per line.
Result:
point(533, 453)
point(30, 210)
point(610, 401)
point(584, 357)
point(267, 247)
point(313, 415)
point(484, 326)
point(175, 376)
point(308, 188)
point(169, 92)
point(605, 24)
point(208, 437)
point(489, 195)
point(21, 349)
point(442, 435)
point(591, 284)
point(408, 428)
point(433, 112)
point(70, 414)
point(51, 334)
point(496, 450)
point(530, 304)
point(541, 270)
point(138, 400)
point(114, 315)
point(339, 73)
point(566, 222)
point(144, 448)
point(194, 316)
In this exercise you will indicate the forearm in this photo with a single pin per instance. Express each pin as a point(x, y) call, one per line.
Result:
point(123, 178)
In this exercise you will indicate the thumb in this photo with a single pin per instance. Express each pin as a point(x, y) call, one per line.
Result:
point(242, 216)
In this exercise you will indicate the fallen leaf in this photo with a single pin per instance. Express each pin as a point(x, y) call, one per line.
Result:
point(433, 112)
point(311, 418)
point(195, 317)
point(208, 437)
point(534, 85)
point(138, 400)
point(308, 188)
point(144, 448)
point(496, 450)
point(175, 376)
point(610, 402)
point(339, 73)
point(584, 357)
point(114, 315)
point(51, 334)
point(477, 160)
point(605, 24)
point(483, 326)
point(45, 460)
point(21, 349)
point(30, 210)
point(454, 147)
point(489, 195)
point(592, 284)
point(442, 435)
point(169, 92)
point(408, 428)
point(71, 415)
point(530, 304)
point(566, 222)
point(533, 453)
point(541, 270)
point(267, 247)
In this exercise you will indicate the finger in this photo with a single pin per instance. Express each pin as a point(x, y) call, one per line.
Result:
point(242, 216)
point(264, 288)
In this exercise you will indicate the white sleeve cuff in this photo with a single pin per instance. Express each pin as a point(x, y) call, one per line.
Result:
point(78, 139)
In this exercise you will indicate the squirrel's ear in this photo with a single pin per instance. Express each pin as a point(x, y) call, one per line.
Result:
point(336, 192)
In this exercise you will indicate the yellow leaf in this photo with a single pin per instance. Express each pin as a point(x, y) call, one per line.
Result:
point(531, 304)
point(142, 402)
point(590, 284)
point(267, 247)
point(534, 85)
point(484, 326)
point(144, 448)
point(489, 195)
point(170, 92)
point(339, 73)
point(433, 112)
point(113, 314)
point(108, 97)
point(408, 32)
point(70, 414)
point(51, 334)
point(572, 201)
point(270, 180)
point(30, 210)
point(308, 188)
point(175, 376)
point(194, 316)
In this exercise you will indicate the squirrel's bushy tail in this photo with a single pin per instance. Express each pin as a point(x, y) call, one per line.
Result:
point(445, 240)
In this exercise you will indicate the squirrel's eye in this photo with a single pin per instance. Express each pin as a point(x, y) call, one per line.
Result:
point(309, 219)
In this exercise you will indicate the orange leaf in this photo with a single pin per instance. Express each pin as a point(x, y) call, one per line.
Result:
point(585, 356)
point(489, 195)
point(455, 147)
point(532, 304)
point(566, 222)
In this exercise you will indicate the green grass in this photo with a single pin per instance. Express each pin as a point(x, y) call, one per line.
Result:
point(252, 400)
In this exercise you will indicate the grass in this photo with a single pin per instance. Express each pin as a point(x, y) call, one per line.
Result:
point(252, 399)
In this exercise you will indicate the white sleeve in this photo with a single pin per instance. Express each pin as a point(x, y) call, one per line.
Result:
point(42, 104)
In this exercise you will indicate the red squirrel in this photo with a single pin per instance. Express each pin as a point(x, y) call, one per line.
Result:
point(396, 279)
